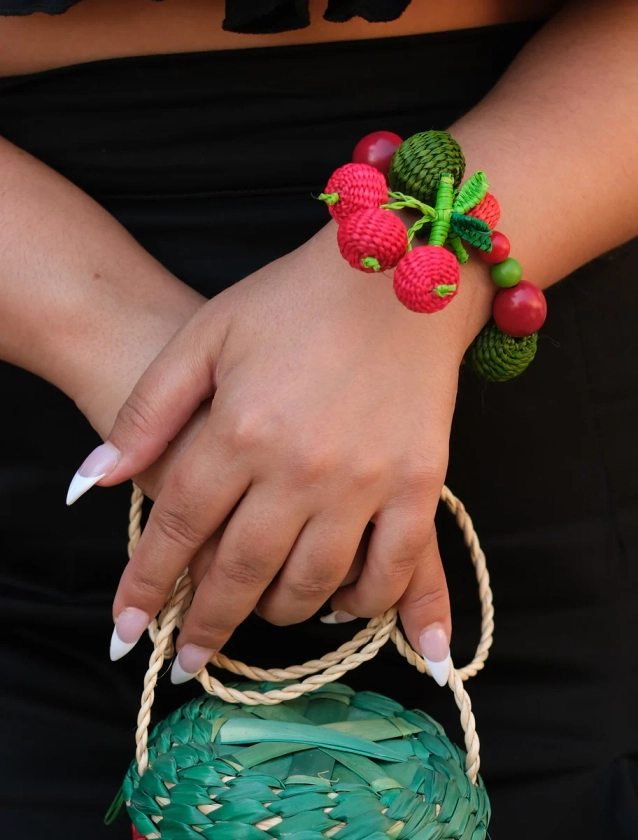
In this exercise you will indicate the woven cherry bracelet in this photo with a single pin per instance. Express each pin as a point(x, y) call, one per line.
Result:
point(425, 173)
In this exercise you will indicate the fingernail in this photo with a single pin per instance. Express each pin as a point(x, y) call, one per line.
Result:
point(129, 626)
point(337, 617)
point(99, 464)
point(189, 662)
point(435, 649)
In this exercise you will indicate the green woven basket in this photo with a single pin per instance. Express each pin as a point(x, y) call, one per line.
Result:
point(294, 755)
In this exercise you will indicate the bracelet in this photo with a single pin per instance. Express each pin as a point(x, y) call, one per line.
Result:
point(424, 173)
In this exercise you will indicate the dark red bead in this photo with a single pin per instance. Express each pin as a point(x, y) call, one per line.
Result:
point(500, 249)
point(520, 310)
point(376, 149)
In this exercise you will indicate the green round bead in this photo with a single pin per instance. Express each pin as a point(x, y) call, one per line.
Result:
point(497, 357)
point(507, 273)
point(419, 162)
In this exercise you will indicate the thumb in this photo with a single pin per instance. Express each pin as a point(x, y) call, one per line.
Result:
point(425, 613)
point(166, 396)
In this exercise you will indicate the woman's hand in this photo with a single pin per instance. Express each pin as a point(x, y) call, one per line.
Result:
point(332, 409)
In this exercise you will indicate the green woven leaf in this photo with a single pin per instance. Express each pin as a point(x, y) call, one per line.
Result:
point(233, 831)
point(300, 804)
point(247, 811)
point(203, 773)
point(314, 821)
point(355, 767)
point(374, 730)
point(247, 732)
point(361, 827)
point(471, 193)
point(176, 830)
point(474, 231)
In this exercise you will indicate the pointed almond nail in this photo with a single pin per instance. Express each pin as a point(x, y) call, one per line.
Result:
point(129, 626)
point(189, 662)
point(435, 649)
point(337, 617)
point(97, 466)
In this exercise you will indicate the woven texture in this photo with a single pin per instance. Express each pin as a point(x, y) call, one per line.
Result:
point(330, 764)
point(498, 357)
point(427, 279)
point(488, 210)
point(420, 161)
point(372, 240)
point(352, 187)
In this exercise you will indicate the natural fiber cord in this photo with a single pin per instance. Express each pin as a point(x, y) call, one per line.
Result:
point(266, 759)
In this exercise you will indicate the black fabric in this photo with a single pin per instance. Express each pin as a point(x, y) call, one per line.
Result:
point(189, 152)
point(252, 16)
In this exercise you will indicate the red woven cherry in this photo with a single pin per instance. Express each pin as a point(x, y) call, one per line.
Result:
point(136, 834)
point(488, 210)
point(372, 240)
point(353, 187)
point(520, 310)
point(376, 149)
point(427, 278)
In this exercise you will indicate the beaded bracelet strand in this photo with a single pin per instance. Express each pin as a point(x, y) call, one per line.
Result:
point(424, 173)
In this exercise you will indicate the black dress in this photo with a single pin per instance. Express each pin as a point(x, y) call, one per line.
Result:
point(189, 151)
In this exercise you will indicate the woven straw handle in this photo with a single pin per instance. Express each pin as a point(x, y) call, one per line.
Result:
point(317, 672)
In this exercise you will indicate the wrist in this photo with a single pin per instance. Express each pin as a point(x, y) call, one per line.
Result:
point(102, 384)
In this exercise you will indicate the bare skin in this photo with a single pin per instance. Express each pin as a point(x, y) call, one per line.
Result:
point(565, 113)
point(97, 29)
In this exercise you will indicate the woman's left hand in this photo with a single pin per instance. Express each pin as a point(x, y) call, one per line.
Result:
point(332, 407)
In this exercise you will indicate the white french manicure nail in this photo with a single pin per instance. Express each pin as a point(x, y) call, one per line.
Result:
point(435, 650)
point(337, 617)
point(189, 662)
point(97, 466)
point(129, 626)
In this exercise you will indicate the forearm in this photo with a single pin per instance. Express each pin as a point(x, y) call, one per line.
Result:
point(558, 140)
point(82, 304)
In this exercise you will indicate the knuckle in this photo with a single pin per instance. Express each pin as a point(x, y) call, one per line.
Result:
point(246, 428)
point(146, 585)
point(435, 598)
point(319, 582)
point(365, 474)
point(312, 465)
point(205, 629)
point(174, 528)
point(245, 574)
point(138, 415)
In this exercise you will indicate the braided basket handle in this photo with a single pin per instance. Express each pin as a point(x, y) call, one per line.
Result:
point(317, 672)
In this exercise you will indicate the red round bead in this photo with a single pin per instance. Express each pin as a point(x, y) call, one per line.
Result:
point(488, 210)
point(372, 240)
point(136, 834)
point(500, 249)
point(427, 278)
point(520, 310)
point(353, 187)
point(376, 149)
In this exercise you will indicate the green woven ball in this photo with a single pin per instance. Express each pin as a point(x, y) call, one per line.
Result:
point(498, 357)
point(331, 764)
point(419, 162)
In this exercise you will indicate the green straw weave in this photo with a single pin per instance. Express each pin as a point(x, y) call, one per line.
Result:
point(334, 763)
point(498, 357)
point(419, 162)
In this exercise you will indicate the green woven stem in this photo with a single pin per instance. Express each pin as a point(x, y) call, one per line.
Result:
point(371, 262)
point(457, 247)
point(401, 201)
point(329, 198)
point(419, 162)
point(498, 357)
point(332, 763)
point(443, 208)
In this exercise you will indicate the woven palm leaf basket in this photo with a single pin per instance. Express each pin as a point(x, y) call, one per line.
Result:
point(292, 753)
